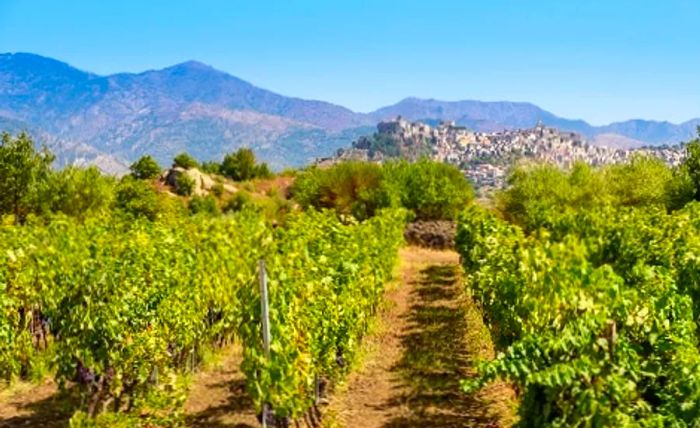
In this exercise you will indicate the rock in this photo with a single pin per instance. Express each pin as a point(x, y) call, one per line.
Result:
point(203, 182)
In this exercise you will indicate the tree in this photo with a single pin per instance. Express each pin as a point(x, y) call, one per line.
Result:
point(184, 160)
point(242, 165)
point(685, 183)
point(145, 168)
point(432, 190)
point(211, 167)
point(350, 188)
point(136, 198)
point(77, 192)
point(22, 170)
point(691, 165)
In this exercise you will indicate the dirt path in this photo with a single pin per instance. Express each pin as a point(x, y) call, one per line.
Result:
point(32, 405)
point(218, 398)
point(428, 339)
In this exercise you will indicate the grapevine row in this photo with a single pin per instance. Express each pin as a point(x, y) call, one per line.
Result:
point(595, 315)
point(123, 309)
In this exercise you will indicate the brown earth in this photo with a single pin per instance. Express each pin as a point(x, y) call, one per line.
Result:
point(429, 339)
point(31, 405)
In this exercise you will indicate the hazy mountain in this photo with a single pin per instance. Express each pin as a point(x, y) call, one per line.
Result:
point(189, 106)
point(112, 120)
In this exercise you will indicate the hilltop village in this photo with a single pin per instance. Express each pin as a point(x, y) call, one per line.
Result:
point(486, 157)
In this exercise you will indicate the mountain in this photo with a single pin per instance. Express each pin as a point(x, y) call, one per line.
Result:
point(112, 120)
point(190, 106)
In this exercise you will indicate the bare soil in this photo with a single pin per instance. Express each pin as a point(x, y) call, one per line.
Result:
point(218, 397)
point(31, 405)
point(429, 338)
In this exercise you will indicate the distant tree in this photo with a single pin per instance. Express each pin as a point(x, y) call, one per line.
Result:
point(350, 188)
point(184, 160)
point(644, 180)
point(691, 165)
point(211, 167)
point(136, 198)
point(263, 171)
point(240, 165)
point(145, 168)
point(685, 183)
point(23, 169)
point(77, 192)
point(431, 190)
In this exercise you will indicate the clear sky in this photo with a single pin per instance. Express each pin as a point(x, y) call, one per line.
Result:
point(597, 60)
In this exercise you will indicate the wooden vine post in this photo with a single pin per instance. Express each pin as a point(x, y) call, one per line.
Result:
point(265, 314)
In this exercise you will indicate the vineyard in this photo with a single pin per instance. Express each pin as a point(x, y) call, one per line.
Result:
point(594, 313)
point(576, 301)
point(124, 309)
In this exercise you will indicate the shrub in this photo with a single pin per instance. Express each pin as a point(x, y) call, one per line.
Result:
point(217, 189)
point(431, 190)
point(184, 160)
point(350, 188)
point(203, 204)
point(641, 181)
point(238, 201)
point(23, 169)
point(136, 198)
point(184, 185)
point(78, 192)
point(145, 168)
point(242, 165)
point(211, 167)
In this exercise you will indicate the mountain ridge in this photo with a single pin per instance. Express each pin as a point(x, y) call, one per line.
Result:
point(195, 107)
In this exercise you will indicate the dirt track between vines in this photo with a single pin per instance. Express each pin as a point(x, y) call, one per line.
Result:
point(428, 339)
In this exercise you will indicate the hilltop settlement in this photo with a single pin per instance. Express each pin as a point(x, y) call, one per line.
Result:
point(486, 157)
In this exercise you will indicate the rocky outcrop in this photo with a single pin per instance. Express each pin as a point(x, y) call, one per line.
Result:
point(203, 182)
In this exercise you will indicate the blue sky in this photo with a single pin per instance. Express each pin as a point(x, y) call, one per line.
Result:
point(597, 60)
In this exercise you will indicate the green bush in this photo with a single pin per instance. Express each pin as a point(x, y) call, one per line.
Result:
point(238, 201)
point(211, 167)
point(217, 189)
point(536, 190)
point(641, 181)
point(23, 170)
point(350, 188)
point(78, 192)
point(431, 190)
point(145, 168)
point(203, 204)
point(136, 198)
point(184, 160)
point(242, 165)
point(184, 185)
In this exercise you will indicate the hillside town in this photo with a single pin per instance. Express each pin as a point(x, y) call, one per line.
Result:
point(486, 157)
